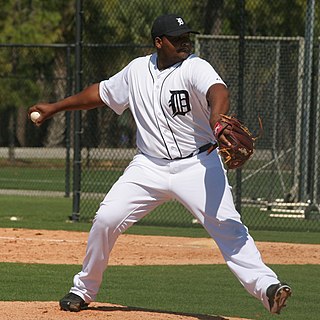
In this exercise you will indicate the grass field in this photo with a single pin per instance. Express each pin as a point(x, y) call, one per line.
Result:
point(204, 289)
point(50, 175)
point(97, 178)
point(53, 214)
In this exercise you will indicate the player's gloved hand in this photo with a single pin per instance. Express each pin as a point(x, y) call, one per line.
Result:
point(221, 132)
point(236, 142)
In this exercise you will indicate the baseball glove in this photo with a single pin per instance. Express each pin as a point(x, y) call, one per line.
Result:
point(241, 139)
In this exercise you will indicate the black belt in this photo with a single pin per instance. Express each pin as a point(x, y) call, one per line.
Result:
point(198, 151)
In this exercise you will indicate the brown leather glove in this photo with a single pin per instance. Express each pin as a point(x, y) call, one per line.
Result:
point(241, 139)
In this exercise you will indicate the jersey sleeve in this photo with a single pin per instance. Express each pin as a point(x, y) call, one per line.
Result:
point(203, 76)
point(114, 92)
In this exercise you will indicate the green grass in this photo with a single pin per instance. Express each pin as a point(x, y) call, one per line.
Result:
point(205, 289)
point(38, 213)
point(52, 178)
point(265, 185)
point(260, 220)
point(53, 214)
point(270, 236)
point(98, 177)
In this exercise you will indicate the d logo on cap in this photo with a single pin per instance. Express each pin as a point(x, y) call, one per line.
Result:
point(170, 25)
point(180, 21)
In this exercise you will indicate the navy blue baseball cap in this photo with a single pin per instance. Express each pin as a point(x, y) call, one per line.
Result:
point(170, 25)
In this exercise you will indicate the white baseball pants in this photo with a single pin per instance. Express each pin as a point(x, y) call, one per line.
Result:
point(201, 185)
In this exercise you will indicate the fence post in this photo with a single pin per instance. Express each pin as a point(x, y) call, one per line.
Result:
point(305, 163)
point(68, 123)
point(77, 117)
point(316, 161)
point(295, 191)
point(240, 93)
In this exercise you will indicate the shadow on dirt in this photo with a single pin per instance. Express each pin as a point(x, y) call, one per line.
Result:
point(135, 309)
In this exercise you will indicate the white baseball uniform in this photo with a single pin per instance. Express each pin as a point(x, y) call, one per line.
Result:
point(172, 117)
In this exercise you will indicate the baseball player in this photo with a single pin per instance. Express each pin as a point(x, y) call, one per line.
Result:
point(176, 99)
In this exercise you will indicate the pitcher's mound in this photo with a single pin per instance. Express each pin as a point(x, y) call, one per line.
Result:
point(46, 310)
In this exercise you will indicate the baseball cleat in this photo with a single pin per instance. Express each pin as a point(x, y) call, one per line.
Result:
point(278, 295)
point(72, 302)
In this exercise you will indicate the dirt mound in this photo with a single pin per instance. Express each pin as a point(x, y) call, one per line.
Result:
point(50, 311)
point(64, 247)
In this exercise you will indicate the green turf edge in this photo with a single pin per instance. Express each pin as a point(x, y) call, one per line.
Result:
point(196, 289)
point(272, 236)
point(53, 214)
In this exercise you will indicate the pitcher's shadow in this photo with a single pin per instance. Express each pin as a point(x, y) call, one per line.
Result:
point(102, 308)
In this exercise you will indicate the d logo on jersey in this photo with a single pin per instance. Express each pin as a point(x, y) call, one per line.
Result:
point(179, 102)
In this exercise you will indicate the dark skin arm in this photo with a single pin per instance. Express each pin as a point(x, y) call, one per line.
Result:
point(87, 99)
point(218, 99)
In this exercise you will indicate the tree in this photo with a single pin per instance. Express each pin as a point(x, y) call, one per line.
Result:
point(27, 72)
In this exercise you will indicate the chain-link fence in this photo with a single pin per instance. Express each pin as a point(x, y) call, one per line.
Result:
point(34, 159)
point(268, 59)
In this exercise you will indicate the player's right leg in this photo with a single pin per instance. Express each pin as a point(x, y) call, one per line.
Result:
point(141, 189)
point(202, 186)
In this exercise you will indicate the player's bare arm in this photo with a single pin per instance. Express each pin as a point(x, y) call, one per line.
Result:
point(87, 99)
point(218, 99)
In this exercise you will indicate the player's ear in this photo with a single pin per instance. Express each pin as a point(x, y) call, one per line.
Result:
point(158, 42)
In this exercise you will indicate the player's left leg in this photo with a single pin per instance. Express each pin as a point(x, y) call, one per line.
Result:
point(204, 190)
point(141, 188)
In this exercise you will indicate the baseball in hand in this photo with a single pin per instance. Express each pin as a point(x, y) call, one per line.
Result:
point(34, 116)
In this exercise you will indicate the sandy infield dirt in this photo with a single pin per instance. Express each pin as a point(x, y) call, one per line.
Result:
point(46, 246)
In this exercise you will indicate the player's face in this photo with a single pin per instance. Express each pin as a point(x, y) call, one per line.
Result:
point(174, 49)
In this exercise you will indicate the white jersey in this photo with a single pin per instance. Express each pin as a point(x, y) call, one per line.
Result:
point(169, 106)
